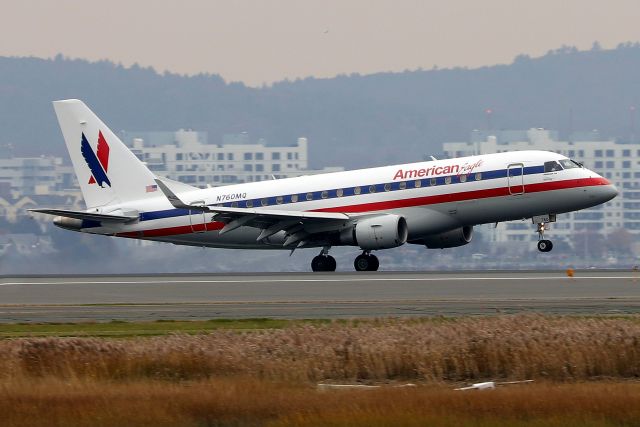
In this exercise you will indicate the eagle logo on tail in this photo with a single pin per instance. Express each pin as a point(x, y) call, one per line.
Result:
point(98, 162)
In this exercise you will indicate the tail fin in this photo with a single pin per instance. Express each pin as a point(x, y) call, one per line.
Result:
point(108, 172)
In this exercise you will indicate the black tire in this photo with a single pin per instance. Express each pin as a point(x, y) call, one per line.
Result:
point(374, 263)
point(545, 245)
point(330, 263)
point(362, 263)
point(318, 263)
point(323, 263)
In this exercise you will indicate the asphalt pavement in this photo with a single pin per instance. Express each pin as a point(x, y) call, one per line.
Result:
point(314, 295)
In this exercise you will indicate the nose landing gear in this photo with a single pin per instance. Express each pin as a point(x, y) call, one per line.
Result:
point(323, 261)
point(543, 244)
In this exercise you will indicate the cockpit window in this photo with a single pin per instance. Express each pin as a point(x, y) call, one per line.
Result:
point(569, 164)
point(552, 166)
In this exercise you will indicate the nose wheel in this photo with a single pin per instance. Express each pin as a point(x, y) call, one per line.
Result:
point(366, 262)
point(323, 262)
point(544, 245)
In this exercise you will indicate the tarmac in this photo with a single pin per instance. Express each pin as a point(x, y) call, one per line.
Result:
point(315, 295)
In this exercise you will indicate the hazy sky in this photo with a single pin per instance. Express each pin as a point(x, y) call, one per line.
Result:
point(265, 41)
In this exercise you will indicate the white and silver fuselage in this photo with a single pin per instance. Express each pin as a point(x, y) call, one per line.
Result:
point(433, 197)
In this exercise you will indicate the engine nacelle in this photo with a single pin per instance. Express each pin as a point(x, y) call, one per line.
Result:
point(451, 239)
point(380, 232)
point(72, 224)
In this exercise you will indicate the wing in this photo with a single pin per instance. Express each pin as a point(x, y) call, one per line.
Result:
point(300, 227)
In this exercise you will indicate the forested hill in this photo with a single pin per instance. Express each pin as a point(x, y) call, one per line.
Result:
point(350, 120)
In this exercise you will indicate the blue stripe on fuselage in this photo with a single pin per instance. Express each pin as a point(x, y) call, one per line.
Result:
point(349, 191)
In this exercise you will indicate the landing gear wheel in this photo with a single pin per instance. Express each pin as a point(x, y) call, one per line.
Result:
point(323, 263)
point(366, 262)
point(545, 245)
point(374, 263)
point(331, 263)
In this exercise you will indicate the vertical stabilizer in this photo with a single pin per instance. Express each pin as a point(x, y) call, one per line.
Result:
point(108, 172)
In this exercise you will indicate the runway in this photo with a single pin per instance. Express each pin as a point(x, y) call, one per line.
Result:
point(314, 295)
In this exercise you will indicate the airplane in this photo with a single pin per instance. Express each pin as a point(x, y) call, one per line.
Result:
point(432, 203)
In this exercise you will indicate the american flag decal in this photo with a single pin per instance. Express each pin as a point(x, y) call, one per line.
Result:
point(151, 188)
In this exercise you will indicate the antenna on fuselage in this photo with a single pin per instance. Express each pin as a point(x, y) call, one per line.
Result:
point(433, 158)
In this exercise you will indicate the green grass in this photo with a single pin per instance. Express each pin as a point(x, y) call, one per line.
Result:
point(118, 328)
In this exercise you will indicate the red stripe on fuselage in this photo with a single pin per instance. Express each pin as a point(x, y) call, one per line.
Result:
point(393, 204)
point(466, 195)
point(172, 231)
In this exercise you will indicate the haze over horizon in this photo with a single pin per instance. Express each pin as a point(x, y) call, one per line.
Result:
point(265, 42)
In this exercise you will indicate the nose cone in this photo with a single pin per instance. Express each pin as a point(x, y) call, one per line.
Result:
point(607, 191)
point(611, 192)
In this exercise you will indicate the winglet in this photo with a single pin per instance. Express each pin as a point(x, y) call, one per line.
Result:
point(176, 201)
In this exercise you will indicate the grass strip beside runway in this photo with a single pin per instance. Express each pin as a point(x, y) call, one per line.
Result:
point(586, 372)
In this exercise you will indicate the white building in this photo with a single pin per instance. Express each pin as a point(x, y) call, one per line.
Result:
point(618, 162)
point(186, 157)
point(28, 176)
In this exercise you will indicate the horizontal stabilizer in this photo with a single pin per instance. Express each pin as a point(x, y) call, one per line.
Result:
point(87, 215)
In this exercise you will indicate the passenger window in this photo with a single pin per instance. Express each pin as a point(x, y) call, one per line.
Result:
point(279, 200)
point(249, 203)
point(447, 180)
point(234, 204)
point(294, 198)
point(432, 182)
point(552, 166)
point(402, 185)
point(339, 192)
point(356, 190)
point(264, 202)
point(418, 183)
point(478, 176)
point(309, 196)
point(387, 187)
point(463, 178)
point(372, 189)
point(324, 194)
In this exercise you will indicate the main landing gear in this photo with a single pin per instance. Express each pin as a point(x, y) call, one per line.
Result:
point(543, 244)
point(324, 261)
point(366, 262)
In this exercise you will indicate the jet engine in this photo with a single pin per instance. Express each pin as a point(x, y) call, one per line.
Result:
point(72, 224)
point(379, 232)
point(451, 239)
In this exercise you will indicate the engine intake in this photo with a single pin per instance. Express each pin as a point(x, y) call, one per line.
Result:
point(380, 232)
point(451, 239)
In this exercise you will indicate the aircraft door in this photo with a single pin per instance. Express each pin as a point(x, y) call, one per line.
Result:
point(197, 219)
point(515, 178)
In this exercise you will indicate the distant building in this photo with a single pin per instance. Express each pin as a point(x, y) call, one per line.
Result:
point(28, 176)
point(618, 162)
point(185, 156)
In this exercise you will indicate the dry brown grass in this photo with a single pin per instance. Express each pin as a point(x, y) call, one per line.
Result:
point(267, 377)
point(242, 401)
point(468, 349)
